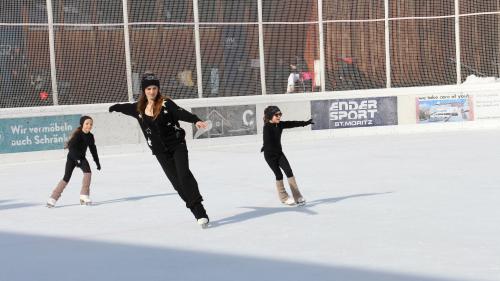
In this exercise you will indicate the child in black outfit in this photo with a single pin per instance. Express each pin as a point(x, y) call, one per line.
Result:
point(77, 145)
point(273, 153)
point(159, 118)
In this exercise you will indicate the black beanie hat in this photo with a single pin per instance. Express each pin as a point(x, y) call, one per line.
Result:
point(83, 118)
point(149, 79)
point(270, 111)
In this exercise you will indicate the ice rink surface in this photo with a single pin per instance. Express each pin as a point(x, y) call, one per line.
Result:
point(399, 208)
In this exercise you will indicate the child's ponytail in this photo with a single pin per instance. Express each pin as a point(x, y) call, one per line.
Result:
point(73, 134)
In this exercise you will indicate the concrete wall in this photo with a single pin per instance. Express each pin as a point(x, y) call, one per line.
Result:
point(117, 133)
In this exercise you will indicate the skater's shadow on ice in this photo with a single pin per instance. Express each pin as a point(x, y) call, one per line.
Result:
point(336, 199)
point(9, 204)
point(256, 212)
point(132, 198)
point(120, 200)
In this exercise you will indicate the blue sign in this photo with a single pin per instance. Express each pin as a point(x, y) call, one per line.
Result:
point(36, 133)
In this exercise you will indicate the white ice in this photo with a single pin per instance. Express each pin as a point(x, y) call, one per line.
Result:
point(405, 208)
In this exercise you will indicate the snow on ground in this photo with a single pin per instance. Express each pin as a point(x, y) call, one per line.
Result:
point(405, 208)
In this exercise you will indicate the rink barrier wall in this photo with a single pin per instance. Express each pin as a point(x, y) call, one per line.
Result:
point(238, 120)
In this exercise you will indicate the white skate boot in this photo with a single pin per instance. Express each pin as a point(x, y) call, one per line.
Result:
point(51, 203)
point(85, 200)
point(299, 200)
point(283, 195)
point(203, 222)
point(289, 201)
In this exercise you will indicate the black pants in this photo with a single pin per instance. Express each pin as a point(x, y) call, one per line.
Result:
point(277, 161)
point(175, 164)
point(70, 166)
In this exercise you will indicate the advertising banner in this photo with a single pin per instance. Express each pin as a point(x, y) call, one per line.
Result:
point(226, 121)
point(36, 133)
point(487, 106)
point(356, 112)
point(444, 108)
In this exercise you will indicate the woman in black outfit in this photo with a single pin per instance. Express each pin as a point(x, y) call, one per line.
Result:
point(273, 153)
point(158, 118)
point(77, 145)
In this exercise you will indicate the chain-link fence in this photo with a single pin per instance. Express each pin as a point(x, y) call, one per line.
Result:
point(83, 52)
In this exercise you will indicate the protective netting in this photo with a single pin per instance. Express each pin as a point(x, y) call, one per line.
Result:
point(354, 45)
point(24, 55)
point(165, 49)
point(290, 55)
point(94, 53)
point(480, 38)
point(422, 43)
point(229, 48)
point(291, 45)
point(90, 60)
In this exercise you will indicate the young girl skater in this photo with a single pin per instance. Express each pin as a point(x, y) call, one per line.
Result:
point(158, 118)
point(273, 153)
point(77, 145)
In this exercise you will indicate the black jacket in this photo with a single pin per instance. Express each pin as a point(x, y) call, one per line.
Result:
point(164, 132)
point(78, 146)
point(272, 134)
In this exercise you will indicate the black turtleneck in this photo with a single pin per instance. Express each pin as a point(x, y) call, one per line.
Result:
point(78, 146)
point(164, 132)
point(272, 134)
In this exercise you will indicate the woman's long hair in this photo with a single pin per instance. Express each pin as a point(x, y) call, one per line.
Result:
point(143, 102)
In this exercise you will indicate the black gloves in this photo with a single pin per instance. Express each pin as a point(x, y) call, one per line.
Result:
point(309, 122)
point(113, 108)
point(98, 166)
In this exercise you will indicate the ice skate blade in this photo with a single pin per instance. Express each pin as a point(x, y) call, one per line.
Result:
point(50, 206)
point(301, 201)
point(83, 203)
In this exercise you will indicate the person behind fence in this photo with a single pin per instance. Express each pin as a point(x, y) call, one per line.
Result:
point(159, 117)
point(274, 156)
point(293, 78)
point(77, 145)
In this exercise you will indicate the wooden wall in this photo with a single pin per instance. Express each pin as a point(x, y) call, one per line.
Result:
point(422, 51)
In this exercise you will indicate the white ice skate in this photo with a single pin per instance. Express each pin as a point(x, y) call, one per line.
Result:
point(51, 203)
point(85, 200)
point(289, 201)
point(203, 222)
